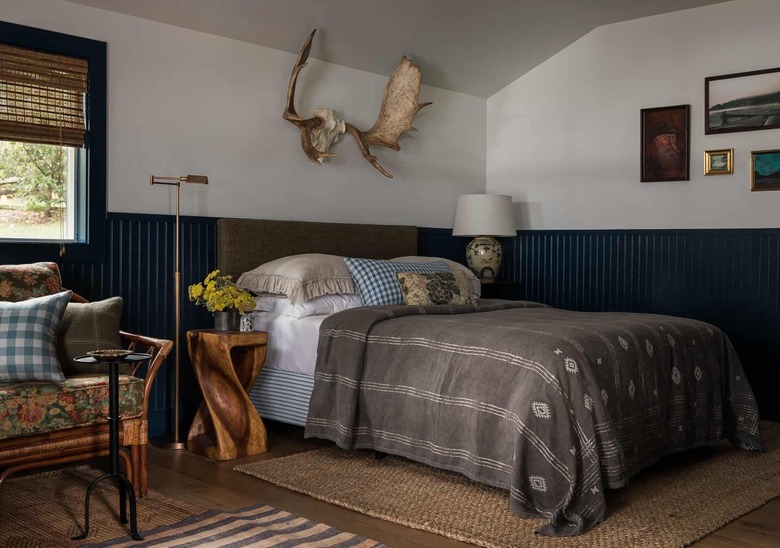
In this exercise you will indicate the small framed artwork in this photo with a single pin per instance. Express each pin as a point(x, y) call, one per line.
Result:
point(745, 101)
point(666, 139)
point(765, 170)
point(719, 162)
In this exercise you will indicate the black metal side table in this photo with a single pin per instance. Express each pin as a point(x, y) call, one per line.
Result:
point(125, 486)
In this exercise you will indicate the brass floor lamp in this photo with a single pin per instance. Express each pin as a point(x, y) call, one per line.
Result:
point(176, 441)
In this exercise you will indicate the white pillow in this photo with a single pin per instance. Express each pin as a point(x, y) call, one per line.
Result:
point(326, 304)
point(300, 277)
point(475, 286)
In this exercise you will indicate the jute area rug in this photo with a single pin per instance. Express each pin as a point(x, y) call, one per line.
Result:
point(46, 510)
point(674, 503)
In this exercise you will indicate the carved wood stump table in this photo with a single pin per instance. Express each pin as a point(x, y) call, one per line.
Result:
point(227, 363)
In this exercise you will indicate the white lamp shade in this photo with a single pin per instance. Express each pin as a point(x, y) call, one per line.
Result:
point(484, 215)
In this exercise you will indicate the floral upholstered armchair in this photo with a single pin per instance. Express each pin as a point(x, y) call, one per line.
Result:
point(53, 410)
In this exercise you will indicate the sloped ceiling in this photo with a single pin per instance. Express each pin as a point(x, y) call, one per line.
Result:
point(470, 46)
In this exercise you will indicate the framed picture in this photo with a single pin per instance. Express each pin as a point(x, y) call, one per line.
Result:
point(666, 140)
point(745, 101)
point(719, 162)
point(765, 170)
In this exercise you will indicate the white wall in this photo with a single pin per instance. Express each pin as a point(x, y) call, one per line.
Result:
point(563, 139)
point(184, 102)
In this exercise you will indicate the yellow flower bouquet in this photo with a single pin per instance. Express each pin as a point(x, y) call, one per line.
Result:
point(219, 294)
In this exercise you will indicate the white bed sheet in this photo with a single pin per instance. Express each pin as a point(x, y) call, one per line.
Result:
point(292, 342)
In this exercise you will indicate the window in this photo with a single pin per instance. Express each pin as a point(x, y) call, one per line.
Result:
point(52, 145)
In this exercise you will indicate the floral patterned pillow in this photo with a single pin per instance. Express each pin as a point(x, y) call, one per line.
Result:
point(19, 282)
point(435, 288)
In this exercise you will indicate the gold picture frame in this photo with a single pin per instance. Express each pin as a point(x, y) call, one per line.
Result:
point(765, 170)
point(719, 162)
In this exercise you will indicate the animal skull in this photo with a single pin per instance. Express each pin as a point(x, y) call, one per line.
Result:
point(327, 132)
point(399, 105)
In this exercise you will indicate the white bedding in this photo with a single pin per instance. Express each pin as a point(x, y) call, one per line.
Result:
point(292, 342)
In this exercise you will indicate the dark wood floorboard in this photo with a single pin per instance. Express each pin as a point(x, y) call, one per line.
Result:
point(211, 484)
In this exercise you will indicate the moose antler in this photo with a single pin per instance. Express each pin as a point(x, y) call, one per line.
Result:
point(399, 105)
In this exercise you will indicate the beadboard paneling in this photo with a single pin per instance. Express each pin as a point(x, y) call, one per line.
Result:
point(730, 278)
point(140, 268)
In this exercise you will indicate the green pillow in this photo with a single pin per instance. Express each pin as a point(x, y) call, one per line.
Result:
point(86, 327)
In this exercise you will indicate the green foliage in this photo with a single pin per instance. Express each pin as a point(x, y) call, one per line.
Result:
point(40, 171)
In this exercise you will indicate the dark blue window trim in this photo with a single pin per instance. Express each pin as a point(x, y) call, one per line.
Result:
point(94, 247)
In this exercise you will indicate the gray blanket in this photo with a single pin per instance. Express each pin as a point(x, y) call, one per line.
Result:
point(554, 406)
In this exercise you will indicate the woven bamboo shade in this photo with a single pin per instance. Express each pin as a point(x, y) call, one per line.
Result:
point(42, 97)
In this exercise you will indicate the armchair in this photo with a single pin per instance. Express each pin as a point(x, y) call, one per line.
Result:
point(81, 435)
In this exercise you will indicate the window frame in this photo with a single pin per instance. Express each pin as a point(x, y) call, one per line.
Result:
point(91, 216)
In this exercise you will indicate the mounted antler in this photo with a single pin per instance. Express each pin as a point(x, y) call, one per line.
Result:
point(399, 105)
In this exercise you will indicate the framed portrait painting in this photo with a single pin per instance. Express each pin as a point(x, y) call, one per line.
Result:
point(765, 170)
point(666, 140)
point(745, 101)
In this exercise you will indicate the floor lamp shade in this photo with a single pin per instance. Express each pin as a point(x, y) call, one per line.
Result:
point(175, 441)
point(484, 216)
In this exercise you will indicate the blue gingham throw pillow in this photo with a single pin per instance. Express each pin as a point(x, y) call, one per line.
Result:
point(376, 282)
point(28, 338)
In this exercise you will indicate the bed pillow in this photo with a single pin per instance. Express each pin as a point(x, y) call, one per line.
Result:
point(86, 327)
point(19, 282)
point(28, 338)
point(475, 286)
point(326, 304)
point(375, 279)
point(300, 277)
point(436, 288)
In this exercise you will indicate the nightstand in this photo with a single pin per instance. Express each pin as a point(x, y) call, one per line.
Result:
point(501, 290)
point(227, 363)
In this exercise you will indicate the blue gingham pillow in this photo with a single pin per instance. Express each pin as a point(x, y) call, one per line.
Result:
point(28, 338)
point(376, 282)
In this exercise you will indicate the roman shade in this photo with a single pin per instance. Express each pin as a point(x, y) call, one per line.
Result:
point(42, 97)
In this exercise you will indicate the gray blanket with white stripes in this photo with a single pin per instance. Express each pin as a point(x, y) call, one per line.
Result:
point(553, 405)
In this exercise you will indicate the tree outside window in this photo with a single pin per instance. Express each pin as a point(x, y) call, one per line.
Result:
point(34, 191)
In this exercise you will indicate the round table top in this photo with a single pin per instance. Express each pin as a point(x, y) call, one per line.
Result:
point(134, 357)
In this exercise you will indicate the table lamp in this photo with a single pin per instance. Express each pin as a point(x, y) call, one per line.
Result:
point(484, 216)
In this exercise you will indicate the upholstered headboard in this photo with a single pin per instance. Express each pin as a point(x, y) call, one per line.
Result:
point(244, 244)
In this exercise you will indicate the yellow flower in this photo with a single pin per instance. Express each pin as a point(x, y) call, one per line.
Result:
point(196, 291)
point(219, 293)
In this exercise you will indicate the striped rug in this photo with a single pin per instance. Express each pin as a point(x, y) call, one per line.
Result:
point(47, 509)
point(257, 526)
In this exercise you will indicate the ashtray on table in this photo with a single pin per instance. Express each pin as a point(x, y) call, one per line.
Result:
point(109, 355)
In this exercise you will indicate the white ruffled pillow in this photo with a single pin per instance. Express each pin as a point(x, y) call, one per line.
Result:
point(326, 304)
point(475, 286)
point(300, 277)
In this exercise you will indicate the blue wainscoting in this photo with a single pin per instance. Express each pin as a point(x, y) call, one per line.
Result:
point(139, 267)
point(728, 277)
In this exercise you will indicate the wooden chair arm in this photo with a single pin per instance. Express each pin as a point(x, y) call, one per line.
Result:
point(158, 348)
point(76, 298)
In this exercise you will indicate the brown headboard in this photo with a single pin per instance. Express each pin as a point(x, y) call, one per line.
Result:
point(245, 244)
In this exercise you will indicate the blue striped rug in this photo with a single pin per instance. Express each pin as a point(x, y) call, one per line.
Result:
point(257, 526)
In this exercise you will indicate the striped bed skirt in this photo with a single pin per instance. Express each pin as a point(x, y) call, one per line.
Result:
point(282, 395)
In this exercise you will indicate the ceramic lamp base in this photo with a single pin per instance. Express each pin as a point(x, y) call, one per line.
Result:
point(483, 257)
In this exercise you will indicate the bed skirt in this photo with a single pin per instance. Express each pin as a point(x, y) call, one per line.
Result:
point(282, 395)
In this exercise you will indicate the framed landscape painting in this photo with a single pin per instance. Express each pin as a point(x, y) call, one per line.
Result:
point(765, 170)
point(719, 162)
point(745, 101)
point(666, 139)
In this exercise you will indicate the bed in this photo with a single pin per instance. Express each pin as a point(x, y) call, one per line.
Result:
point(554, 406)
point(285, 384)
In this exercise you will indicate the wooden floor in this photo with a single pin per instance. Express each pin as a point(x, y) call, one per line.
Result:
point(210, 484)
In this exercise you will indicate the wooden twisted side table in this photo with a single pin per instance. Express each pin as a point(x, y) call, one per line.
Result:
point(226, 364)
